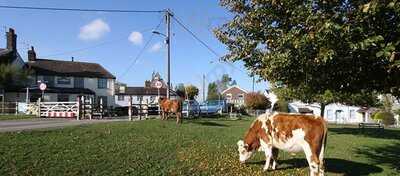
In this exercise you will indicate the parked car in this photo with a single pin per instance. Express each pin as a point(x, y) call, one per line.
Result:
point(213, 107)
point(190, 108)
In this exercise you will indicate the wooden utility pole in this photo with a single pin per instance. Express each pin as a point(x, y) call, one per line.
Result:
point(168, 43)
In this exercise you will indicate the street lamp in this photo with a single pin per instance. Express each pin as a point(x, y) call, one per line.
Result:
point(158, 33)
point(168, 60)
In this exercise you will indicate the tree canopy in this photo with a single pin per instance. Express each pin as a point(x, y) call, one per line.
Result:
point(256, 100)
point(212, 92)
point(191, 92)
point(319, 51)
point(12, 76)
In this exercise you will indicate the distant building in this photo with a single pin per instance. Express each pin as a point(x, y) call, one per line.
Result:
point(148, 94)
point(335, 112)
point(65, 80)
point(234, 95)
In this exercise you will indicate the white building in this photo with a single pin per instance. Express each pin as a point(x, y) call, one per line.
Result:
point(65, 80)
point(335, 112)
point(148, 94)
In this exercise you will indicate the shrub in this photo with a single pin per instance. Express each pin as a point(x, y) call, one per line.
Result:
point(281, 106)
point(387, 118)
point(256, 100)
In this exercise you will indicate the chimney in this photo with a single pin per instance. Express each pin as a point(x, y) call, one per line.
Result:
point(11, 40)
point(32, 54)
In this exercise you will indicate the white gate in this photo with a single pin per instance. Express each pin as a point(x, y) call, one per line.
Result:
point(59, 109)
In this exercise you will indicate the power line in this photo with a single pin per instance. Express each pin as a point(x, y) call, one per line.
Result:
point(140, 52)
point(194, 36)
point(80, 10)
point(204, 43)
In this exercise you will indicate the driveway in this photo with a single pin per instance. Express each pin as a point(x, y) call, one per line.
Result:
point(41, 123)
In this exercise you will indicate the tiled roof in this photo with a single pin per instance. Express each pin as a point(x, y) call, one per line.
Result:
point(144, 91)
point(6, 56)
point(69, 68)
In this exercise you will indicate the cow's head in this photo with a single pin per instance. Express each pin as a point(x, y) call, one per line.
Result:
point(244, 151)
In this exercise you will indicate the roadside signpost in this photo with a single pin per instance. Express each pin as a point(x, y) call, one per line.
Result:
point(42, 87)
point(158, 84)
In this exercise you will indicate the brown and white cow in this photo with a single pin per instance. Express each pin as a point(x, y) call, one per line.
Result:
point(288, 132)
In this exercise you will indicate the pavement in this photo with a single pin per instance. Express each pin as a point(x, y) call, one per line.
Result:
point(47, 123)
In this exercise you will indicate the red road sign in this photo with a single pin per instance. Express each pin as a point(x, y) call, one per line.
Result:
point(42, 86)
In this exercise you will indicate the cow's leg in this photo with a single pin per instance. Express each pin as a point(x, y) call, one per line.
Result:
point(275, 153)
point(268, 156)
point(177, 117)
point(312, 159)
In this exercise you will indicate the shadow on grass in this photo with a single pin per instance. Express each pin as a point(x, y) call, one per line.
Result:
point(383, 154)
point(374, 133)
point(332, 165)
point(208, 123)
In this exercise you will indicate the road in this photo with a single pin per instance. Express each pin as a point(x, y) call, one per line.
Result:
point(41, 123)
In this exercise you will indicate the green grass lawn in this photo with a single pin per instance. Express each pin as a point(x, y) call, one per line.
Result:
point(16, 117)
point(197, 147)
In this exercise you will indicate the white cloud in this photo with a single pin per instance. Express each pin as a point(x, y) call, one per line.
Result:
point(94, 30)
point(156, 47)
point(136, 38)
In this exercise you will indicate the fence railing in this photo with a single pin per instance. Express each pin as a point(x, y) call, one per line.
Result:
point(8, 107)
point(50, 109)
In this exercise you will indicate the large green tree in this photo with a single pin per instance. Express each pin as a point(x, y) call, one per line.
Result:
point(317, 51)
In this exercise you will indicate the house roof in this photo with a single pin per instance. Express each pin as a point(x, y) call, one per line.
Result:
point(144, 91)
point(6, 56)
point(69, 68)
point(233, 87)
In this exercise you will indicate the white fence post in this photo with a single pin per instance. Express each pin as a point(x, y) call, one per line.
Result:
point(130, 108)
point(39, 108)
point(78, 103)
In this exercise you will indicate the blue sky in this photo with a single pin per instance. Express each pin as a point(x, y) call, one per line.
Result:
point(107, 38)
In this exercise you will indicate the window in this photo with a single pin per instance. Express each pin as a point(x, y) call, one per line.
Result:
point(49, 80)
point(62, 97)
point(79, 82)
point(228, 96)
point(63, 80)
point(102, 83)
point(121, 98)
point(329, 114)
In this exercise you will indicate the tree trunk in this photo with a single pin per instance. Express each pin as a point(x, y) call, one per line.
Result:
point(322, 109)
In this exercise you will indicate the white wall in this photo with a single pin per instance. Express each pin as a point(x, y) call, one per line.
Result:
point(338, 113)
point(92, 84)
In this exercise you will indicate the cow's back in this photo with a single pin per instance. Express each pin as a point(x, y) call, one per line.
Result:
point(285, 127)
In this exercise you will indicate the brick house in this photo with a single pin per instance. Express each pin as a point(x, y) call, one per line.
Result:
point(234, 95)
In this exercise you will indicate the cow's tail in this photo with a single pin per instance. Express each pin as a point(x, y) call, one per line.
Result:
point(323, 149)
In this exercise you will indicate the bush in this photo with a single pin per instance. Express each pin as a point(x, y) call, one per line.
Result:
point(256, 100)
point(281, 106)
point(387, 118)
